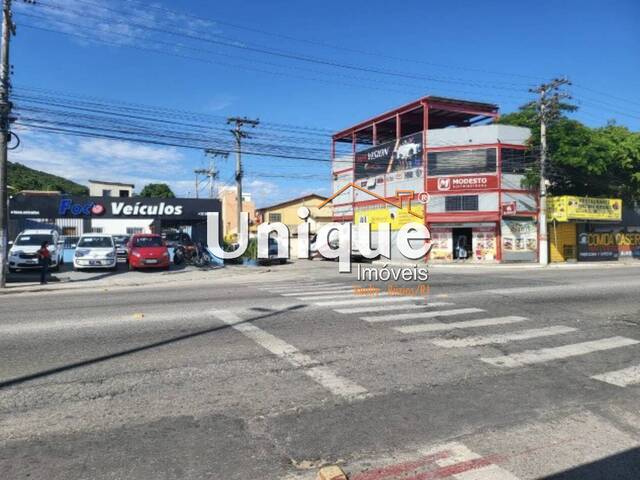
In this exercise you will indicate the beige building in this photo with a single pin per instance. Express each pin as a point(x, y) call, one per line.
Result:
point(98, 188)
point(287, 212)
point(229, 210)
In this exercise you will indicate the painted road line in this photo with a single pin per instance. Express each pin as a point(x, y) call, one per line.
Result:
point(542, 355)
point(336, 384)
point(416, 315)
point(440, 327)
point(383, 308)
point(502, 338)
point(338, 295)
point(621, 378)
point(367, 301)
point(318, 292)
point(289, 288)
point(463, 464)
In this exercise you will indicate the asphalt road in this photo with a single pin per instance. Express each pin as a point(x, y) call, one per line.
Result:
point(503, 373)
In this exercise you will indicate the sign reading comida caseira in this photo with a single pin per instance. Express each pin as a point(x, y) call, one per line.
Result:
point(567, 207)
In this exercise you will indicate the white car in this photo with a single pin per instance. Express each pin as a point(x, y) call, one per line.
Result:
point(23, 252)
point(95, 250)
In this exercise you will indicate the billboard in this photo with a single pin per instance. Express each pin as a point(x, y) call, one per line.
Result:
point(462, 183)
point(402, 154)
point(610, 245)
point(567, 207)
point(394, 216)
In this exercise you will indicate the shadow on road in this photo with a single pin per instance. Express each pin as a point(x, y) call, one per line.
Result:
point(621, 466)
point(103, 358)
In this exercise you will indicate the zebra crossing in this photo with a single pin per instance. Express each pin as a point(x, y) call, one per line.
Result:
point(437, 317)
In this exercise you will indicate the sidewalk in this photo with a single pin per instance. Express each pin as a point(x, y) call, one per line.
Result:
point(480, 267)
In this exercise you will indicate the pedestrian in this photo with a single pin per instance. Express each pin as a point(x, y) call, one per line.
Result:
point(44, 258)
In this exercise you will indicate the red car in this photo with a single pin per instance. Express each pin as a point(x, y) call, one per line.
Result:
point(147, 251)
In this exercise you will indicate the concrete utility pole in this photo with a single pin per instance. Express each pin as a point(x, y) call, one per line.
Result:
point(548, 108)
point(239, 134)
point(8, 28)
point(212, 173)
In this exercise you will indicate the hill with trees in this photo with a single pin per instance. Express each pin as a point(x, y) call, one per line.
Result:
point(21, 177)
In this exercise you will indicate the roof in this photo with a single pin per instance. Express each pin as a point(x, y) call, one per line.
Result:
point(113, 183)
point(454, 109)
point(293, 200)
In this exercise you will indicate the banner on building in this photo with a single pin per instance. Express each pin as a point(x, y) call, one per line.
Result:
point(441, 244)
point(609, 245)
point(484, 243)
point(567, 207)
point(462, 183)
point(519, 236)
point(396, 217)
point(402, 154)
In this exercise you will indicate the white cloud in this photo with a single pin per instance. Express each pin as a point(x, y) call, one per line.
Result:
point(127, 150)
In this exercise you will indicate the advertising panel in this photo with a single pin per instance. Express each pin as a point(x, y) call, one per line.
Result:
point(441, 244)
point(567, 207)
point(396, 217)
point(402, 154)
point(519, 236)
point(608, 245)
point(461, 183)
point(484, 243)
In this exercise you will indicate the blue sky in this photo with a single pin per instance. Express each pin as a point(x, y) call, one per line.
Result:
point(486, 51)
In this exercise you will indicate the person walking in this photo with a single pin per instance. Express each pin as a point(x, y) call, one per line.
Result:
point(44, 259)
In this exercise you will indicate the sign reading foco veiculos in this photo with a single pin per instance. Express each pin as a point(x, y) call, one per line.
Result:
point(462, 183)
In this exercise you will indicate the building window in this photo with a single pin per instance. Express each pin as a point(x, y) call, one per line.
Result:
point(69, 231)
point(133, 230)
point(459, 203)
point(96, 229)
point(124, 193)
point(275, 217)
point(459, 162)
point(106, 193)
point(515, 160)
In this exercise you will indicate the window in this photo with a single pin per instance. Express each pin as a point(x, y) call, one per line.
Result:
point(96, 242)
point(132, 230)
point(514, 160)
point(96, 229)
point(275, 217)
point(459, 203)
point(457, 162)
point(69, 231)
point(124, 193)
point(106, 193)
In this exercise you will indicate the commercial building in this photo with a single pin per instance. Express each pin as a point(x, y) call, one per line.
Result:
point(229, 203)
point(75, 215)
point(287, 212)
point(100, 188)
point(467, 171)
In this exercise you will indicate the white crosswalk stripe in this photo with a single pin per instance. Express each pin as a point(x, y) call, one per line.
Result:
point(367, 301)
point(502, 338)
point(386, 308)
point(621, 378)
point(439, 327)
point(290, 288)
point(323, 375)
point(417, 315)
point(331, 296)
point(306, 293)
point(542, 355)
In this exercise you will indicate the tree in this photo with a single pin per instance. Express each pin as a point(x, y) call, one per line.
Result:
point(158, 190)
point(597, 162)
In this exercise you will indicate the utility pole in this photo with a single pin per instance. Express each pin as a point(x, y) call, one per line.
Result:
point(8, 28)
point(239, 134)
point(212, 173)
point(548, 109)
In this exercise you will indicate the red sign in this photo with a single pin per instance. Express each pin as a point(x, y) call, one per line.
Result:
point(462, 183)
point(509, 208)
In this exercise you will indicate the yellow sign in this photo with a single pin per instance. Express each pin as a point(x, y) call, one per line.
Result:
point(567, 207)
point(394, 216)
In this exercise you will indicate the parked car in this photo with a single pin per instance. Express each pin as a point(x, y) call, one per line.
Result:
point(121, 247)
point(148, 250)
point(273, 254)
point(23, 251)
point(175, 238)
point(95, 250)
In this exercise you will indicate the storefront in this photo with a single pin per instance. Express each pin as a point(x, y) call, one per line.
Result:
point(75, 215)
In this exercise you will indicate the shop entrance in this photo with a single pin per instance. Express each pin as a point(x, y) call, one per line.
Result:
point(461, 243)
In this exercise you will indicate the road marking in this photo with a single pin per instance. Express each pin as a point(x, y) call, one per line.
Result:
point(439, 327)
point(318, 292)
point(367, 301)
point(464, 464)
point(410, 316)
point(621, 378)
point(382, 308)
point(332, 296)
point(529, 357)
point(502, 338)
point(336, 384)
point(301, 287)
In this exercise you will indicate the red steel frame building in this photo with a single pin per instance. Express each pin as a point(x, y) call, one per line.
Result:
point(423, 115)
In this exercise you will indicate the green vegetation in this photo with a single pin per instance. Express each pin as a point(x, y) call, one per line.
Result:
point(597, 162)
point(21, 177)
point(158, 190)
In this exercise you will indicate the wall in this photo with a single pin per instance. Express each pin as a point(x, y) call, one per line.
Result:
point(116, 226)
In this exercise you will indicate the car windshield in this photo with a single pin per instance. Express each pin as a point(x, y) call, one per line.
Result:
point(120, 239)
point(96, 242)
point(142, 242)
point(32, 240)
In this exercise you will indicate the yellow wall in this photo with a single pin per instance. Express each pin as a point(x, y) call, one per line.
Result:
point(289, 213)
point(562, 241)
